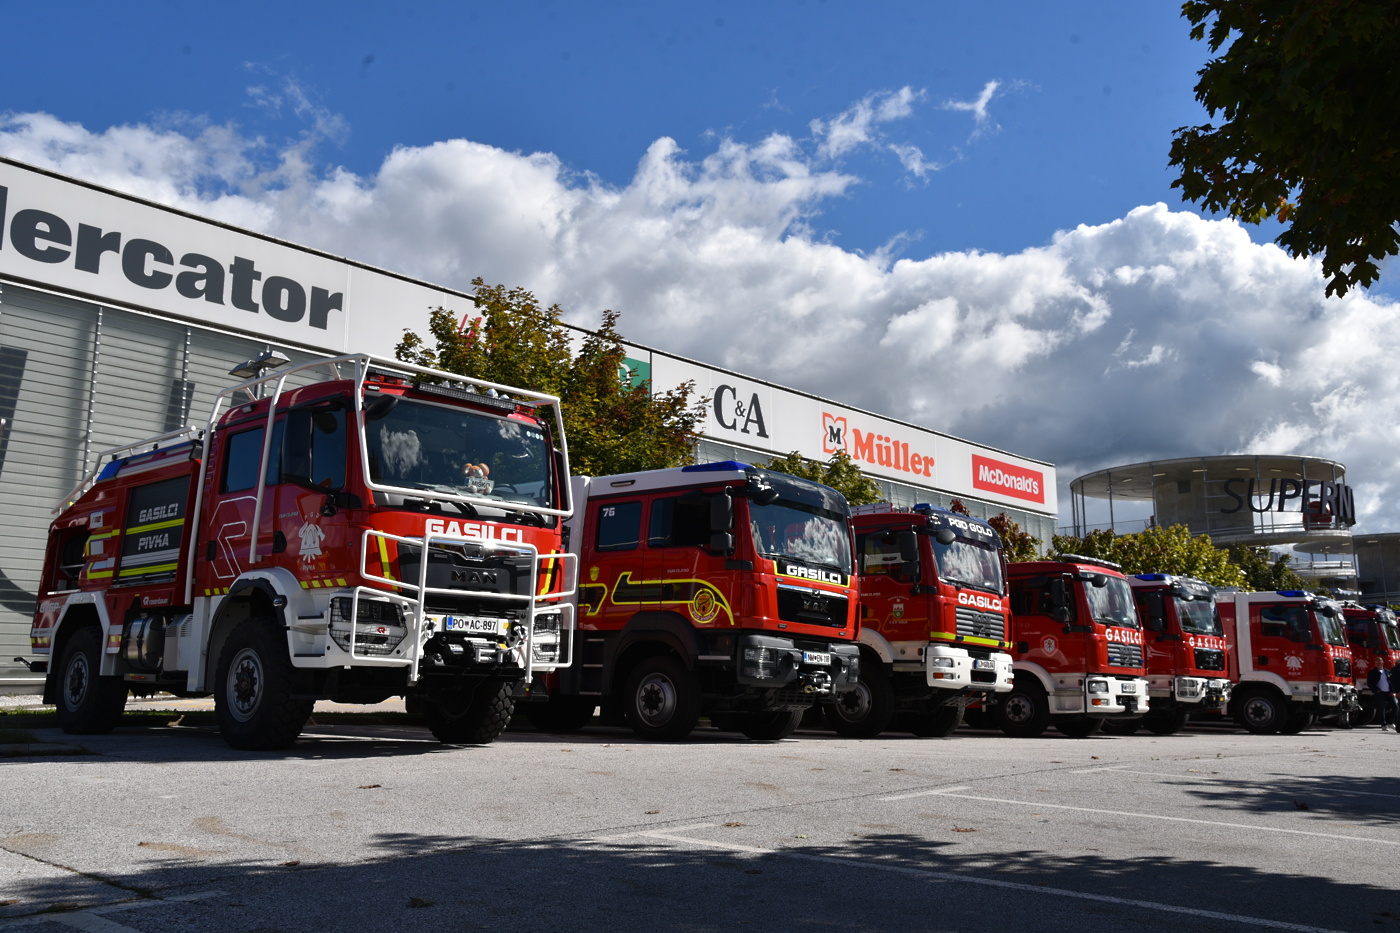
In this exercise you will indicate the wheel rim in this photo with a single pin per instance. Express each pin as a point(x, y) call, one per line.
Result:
point(1018, 709)
point(76, 681)
point(656, 699)
point(854, 705)
point(1259, 711)
point(245, 685)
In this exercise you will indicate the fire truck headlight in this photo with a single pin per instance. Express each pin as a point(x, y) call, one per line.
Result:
point(761, 663)
point(1098, 686)
point(940, 662)
point(379, 625)
point(547, 623)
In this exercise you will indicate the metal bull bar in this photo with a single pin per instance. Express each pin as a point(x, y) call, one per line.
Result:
point(563, 599)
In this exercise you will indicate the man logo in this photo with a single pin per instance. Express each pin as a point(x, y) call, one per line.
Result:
point(833, 434)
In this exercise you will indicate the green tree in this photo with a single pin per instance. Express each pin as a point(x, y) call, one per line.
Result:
point(1263, 570)
point(840, 473)
point(1159, 549)
point(611, 425)
point(1307, 94)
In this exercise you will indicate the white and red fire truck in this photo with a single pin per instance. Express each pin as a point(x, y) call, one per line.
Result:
point(1374, 640)
point(1289, 660)
point(719, 589)
point(348, 528)
point(933, 626)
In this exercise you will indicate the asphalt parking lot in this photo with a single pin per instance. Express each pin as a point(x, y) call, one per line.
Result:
point(374, 826)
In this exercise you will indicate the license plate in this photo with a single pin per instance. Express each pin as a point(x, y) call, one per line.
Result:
point(1126, 688)
point(472, 625)
point(816, 657)
point(978, 664)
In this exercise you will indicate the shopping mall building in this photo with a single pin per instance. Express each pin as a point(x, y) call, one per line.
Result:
point(120, 319)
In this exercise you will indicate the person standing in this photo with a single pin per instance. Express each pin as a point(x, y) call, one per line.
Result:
point(1382, 683)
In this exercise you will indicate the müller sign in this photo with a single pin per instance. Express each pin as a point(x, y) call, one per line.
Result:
point(1322, 498)
point(45, 237)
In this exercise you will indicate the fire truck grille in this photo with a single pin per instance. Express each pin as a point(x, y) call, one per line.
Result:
point(1342, 668)
point(809, 607)
point(1121, 655)
point(974, 624)
point(1210, 659)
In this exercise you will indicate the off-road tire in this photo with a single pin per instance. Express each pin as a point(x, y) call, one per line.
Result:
point(938, 724)
point(561, 715)
point(1168, 723)
point(1365, 715)
point(1024, 713)
point(865, 711)
point(253, 700)
point(1123, 725)
point(1261, 712)
point(1080, 727)
point(476, 717)
point(88, 703)
point(662, 699)
point(1296, 723)
point(769, 726)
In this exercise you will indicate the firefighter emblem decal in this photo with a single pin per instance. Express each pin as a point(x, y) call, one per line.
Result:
point(311, 537)
point(1049, 645)
point(704, 607)
point(1295, 663)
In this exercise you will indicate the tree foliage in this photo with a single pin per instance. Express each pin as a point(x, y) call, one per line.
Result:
point(840, 473)
point(1170, 549)
point(611, 426)
point(1307, 94)
point(1016, 543)
point(1263, 570)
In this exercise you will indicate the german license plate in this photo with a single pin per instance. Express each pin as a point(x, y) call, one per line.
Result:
point(816, 657)
point(980, 664)
point(472, 625)
point(1126, 688)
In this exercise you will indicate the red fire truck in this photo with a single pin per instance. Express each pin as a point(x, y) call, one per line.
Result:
point(348, 528)
point(717, 589)
point(1076, 645)
point(933, 621)
point(1374, 640)
point(1288, 658)
point(1184, 653)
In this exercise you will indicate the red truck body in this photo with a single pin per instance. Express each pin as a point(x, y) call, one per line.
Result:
point(718, 590)
point(1374, 641)
point(933, 627)
point(231, 560)
point(1288, 658)
point(1184, 651)
point(1076, 648)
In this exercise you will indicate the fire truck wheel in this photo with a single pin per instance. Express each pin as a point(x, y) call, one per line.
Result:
point(475, 718)
point(942, 722)
point(1261, 712)
point(1168, 723)
point(1122, 725)
point(1080, 727)
point(88, 704)
point(1297, 723)
point(662, 700)
point(1024, 713)
point(561, 715)
point(769, 726)
point(866, 711)
point(253, 700)
point(1363, 715)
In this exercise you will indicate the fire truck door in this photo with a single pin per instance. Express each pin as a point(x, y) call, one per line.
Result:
point(688, 579)
point(610, 583)
point(887, 603)
point(232, 501)
point(1280, 635)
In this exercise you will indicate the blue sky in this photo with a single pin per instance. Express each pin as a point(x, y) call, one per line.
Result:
point(955, 214)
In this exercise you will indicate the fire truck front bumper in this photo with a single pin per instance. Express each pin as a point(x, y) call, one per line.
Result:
point(820, 669)
point(1342, 696)
point(948, 668)
point(1106, 693)
point(1205, 694)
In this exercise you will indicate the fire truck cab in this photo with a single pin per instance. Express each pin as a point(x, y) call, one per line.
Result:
point(1375, 643)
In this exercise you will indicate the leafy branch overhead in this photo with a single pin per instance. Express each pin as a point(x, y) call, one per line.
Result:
point(840, 473)
point(1306, 92)
point(613, 425)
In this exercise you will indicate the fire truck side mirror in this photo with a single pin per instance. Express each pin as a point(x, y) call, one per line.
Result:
point(760, 490)
point(722, 512)
point(1059, 600)
point(908, 546)
point(379, 407)
point(945, 536)
point(722, 542)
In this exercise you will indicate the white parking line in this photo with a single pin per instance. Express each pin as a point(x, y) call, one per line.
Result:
point(928, 875)
point(1040, 805)
point(928, 793)
point(92, 919)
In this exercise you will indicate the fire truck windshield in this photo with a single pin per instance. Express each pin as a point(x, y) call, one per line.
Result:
point(801, 532)
point(1392, 637)
point(1198, 616)
point(970, 563)
point(421, 445)
point(1112, 603)
point(1331, 628)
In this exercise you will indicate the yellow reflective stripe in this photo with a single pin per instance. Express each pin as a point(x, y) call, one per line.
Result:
point(384, 558)
point(155, 526)
point(137, 571)
point(967, 639)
